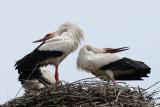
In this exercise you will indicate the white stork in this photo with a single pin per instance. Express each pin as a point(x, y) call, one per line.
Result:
point(53, 49)
point(107, 65)
point(41, 78)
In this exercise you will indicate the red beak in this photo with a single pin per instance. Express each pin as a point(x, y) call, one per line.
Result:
point(48, 36)
point(111, 50)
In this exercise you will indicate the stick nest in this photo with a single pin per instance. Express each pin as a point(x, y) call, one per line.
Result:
point(86, 93)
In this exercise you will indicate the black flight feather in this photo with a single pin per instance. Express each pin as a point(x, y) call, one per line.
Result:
point(127, 69)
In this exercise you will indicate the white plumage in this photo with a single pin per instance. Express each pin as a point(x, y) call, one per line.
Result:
point(107, 65)
point(91, 58)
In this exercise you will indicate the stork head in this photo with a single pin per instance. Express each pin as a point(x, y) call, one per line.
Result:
point(75, 32)
point(103, 50)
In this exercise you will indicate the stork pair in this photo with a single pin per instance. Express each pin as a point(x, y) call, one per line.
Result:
point(56, 46)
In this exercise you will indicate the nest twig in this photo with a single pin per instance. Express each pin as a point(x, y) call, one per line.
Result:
point(86, 93)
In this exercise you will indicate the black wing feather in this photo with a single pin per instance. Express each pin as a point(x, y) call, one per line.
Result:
point(33, 74)
point(127, 69)
point(29, 63)
point(34, 57)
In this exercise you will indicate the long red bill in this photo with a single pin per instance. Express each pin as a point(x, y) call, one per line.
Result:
point(48, 36)
point(111, 50)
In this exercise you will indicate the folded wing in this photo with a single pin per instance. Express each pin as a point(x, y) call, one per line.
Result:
point(127, 69)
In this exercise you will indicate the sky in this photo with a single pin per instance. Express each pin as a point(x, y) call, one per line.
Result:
point(105, 23)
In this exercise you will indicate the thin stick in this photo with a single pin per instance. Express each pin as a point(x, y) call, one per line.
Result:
point(151, 86)
point(26, 79)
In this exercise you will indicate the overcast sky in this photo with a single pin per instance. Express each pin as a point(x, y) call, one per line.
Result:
point(106, 23)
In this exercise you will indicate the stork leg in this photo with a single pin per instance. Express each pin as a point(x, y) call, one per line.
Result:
point(56, 73)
